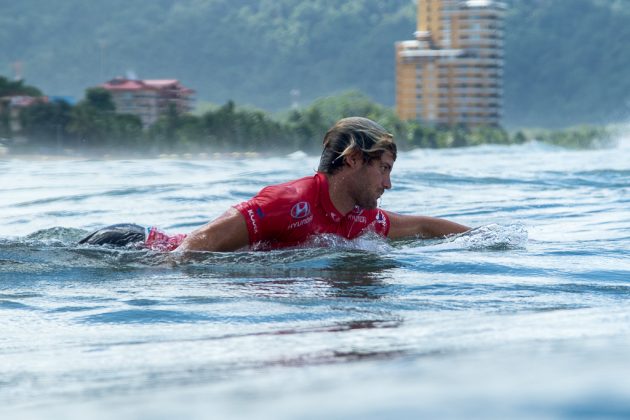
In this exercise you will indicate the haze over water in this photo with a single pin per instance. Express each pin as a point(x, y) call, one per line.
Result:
point(527, 316)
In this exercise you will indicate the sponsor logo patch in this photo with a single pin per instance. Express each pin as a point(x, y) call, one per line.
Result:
point(252, 219)
point(301, 210)
point(299, 223)
point(357, 218)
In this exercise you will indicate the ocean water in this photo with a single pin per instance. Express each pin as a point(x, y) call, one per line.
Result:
point(526, 316)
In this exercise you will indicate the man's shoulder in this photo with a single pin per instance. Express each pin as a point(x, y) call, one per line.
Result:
point(302, 188)
point(297, 184)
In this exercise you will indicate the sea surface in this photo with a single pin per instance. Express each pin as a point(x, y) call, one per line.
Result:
point(526, 316)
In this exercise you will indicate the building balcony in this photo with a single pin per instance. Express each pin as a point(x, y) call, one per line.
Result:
point(485, 5)
point(428, 53)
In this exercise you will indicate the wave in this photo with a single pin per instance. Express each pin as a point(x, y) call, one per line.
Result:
point(484, 149)
point(55, 249)
point(491, 237)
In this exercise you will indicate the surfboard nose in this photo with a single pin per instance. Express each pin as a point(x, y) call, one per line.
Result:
point(116, 235)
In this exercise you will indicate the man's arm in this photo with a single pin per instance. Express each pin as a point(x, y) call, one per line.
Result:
point(403, 226)
point(226, 233)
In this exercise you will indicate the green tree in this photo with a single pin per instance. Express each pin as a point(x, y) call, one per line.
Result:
point(519, 138)
point(422, 136)
point(96, 125)
point(307, 127)
point(12, 88)
point(231, 128)
point(88, 125)
point(47, 124)
point(174, 131)
point(125, 132)
point(17, 87)
point(582, 137)
point(100, 99)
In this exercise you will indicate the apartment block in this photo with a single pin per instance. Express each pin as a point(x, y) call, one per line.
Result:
point(148, 99)
point(452, 72)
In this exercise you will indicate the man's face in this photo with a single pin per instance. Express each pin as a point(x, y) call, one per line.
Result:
point(372, 180)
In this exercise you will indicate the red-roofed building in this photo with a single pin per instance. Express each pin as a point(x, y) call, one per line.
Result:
point(148, 99)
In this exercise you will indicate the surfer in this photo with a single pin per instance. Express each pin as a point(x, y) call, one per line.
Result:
point(340, 199)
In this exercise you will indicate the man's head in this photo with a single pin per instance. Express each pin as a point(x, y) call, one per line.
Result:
point(354, 134)
point(359, 155)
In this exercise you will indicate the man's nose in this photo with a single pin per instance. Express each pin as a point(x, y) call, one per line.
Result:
point(387, 182)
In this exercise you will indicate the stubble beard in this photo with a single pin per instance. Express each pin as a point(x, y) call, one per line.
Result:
point(367, 201)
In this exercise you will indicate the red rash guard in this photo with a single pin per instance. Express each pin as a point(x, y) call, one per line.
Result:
point(157, 240)
point(289, 214)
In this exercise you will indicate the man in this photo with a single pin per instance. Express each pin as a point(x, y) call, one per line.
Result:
point(340, 199)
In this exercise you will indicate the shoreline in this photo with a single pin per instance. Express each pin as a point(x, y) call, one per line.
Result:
point(108, 156)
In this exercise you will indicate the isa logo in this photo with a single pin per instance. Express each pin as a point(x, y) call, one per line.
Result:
point(301, 210)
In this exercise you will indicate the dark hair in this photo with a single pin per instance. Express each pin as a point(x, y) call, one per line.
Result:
point(350, 134)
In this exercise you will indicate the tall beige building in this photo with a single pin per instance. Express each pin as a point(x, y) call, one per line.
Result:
point(451, 74)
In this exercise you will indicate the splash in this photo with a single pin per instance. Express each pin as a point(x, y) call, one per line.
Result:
point(370, 242)
point(494, 236)
point(56, 236)
point(622, 137)
point(488, 237)
point(47, 250)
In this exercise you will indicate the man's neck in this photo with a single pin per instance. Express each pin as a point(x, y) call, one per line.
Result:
point(339, 193)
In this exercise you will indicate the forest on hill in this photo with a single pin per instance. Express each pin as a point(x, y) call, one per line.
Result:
point(565, 61)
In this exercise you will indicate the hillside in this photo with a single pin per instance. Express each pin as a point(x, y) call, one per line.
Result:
point(566, 60)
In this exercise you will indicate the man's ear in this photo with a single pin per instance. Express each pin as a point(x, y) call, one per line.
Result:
point(354, 159)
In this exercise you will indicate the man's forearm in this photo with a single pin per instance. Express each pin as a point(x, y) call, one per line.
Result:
point(434, 227)
point(227, 233)
point(404, 226)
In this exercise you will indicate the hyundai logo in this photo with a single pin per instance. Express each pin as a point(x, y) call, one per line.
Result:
point(301, 210)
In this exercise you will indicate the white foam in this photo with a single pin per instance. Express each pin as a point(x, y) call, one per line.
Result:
point(370, 242)
point(298, 155)
point(488, 237)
